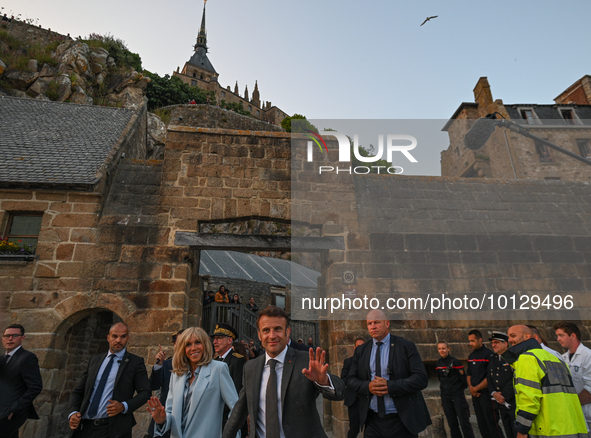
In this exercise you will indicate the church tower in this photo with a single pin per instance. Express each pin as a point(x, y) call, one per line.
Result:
point(199, 68)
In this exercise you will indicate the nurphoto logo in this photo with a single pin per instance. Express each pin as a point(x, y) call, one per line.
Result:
point(393, 144)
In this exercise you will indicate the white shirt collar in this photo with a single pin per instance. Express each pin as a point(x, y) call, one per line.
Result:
point(223, 356)
point(14, 351)
point(279, 358)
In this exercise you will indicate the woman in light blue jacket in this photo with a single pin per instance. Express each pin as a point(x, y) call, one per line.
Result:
point(199, 388)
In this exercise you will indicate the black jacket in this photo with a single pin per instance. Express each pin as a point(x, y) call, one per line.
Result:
point(407, 378)
point(20, 384)
point(132, 378)
point(452, 381)
point(350, 396)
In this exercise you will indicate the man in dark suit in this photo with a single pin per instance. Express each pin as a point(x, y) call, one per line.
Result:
point(351, 399)
point(160, 378)
point(298, 346)
point(388, 375)
point(103, 402)
point(20, 382)
point(223, 337)
point(279, 392)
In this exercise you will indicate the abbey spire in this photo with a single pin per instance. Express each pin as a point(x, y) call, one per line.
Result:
point(202, 36)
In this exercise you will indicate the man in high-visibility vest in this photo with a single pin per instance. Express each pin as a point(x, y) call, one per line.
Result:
point(547, 403)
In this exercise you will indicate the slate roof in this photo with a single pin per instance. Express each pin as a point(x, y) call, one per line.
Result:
point(200, 59)
point(550, 114)
point(44, 142)
point(277, 272)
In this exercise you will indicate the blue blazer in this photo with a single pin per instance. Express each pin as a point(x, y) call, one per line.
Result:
point(214, 389)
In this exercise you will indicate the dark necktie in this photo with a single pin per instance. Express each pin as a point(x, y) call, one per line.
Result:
point(381, 404)
point(271, 404)
point(98, 395)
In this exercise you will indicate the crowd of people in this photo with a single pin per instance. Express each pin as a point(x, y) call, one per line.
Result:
point(216, 386)
point(223, 295)
point(522, 383)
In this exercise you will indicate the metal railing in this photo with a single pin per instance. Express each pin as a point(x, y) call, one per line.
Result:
point(244, 322)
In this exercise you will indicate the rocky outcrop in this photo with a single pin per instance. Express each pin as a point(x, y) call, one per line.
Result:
point(156, 137)
point(83, 75)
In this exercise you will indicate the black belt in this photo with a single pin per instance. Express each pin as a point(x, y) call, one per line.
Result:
point(386, 417)
point(97, 422)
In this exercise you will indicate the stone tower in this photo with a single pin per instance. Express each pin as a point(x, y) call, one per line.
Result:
point(199, 66)
point(256, 98)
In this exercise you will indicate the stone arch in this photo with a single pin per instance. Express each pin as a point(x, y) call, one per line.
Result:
point(78, 338)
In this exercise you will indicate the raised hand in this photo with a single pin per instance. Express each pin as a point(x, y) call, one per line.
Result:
point(317, 368)
point(161, 355)
point(156, 409)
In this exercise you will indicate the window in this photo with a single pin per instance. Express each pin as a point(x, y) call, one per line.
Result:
point(194, 75)
point(543, 152)
point(223, 94)
point(258, 113)
point(249, 108)
point(278, 300)
point(569, 116)
point(23, 228)
point(584, 147)
point(193, 83)
point(552, 178)
point(529, 116)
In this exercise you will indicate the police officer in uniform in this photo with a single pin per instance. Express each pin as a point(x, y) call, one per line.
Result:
point(223, 337)
point(478, 386)
point(500, 383)
point(452, 378)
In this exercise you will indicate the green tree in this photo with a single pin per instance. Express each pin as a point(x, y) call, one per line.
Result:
point(301, 126)
point(368, 152)
point(164, 91)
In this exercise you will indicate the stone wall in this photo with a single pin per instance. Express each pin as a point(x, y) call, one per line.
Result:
point(111, 254)
point(508, 155)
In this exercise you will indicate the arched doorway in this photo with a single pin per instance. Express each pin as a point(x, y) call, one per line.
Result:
point(83, 340)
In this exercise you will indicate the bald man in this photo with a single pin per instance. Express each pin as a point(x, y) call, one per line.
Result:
point(388, 375)
point(547, 404)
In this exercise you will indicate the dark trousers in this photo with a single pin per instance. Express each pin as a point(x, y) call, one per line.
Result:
point(389, 427)
point(9, 428)
point(508, 419)
point(88, 429)
point(457, 412)
point(353, 419)
point(488, 423)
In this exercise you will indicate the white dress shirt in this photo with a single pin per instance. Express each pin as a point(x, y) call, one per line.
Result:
point(9, 358)
point(262, 416)
point(580, 369)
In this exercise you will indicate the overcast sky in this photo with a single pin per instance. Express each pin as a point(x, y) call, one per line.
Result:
point(351, 59)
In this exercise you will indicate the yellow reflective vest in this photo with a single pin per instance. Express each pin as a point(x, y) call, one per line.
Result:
point(547, 403)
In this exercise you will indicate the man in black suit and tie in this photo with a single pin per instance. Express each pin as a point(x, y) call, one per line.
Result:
point(279, 392)
point(351, 398)
point(160, 378)
point(388, 375)
point(223, 337)
point(103, 402)
point(20, 382)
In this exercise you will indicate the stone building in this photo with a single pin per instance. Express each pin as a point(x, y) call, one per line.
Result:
point(120, 237)
point(509, 155)
point(198, 71)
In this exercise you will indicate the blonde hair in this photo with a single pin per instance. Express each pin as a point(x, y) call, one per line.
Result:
point(180, 361)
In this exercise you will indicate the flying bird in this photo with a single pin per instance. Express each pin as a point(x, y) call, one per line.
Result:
point(429, 18)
